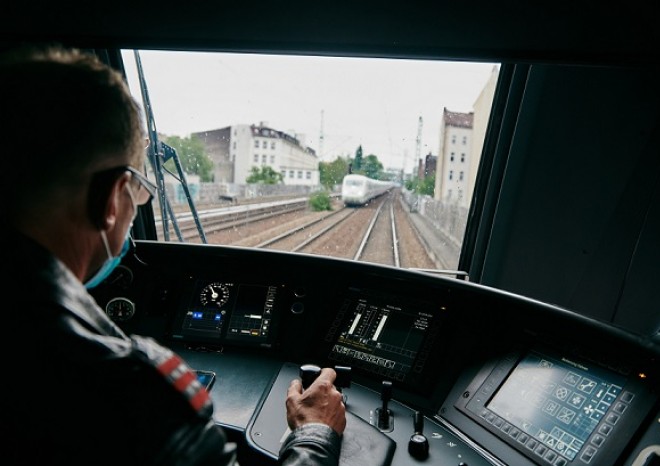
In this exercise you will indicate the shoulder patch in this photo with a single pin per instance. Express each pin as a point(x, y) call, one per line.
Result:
point(175, 371)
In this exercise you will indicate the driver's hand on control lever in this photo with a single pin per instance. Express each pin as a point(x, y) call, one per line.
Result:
point(321, 403)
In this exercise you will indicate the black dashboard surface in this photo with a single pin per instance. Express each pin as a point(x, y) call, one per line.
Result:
point(499, 378)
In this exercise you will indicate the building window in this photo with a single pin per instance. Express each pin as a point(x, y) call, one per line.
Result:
point(283, 173)
point(290, 173)
point(451, 158)
point(272, 145)
point(462, 156)
point(272, 159)
point(256, 144)
point(233, 146)
point(464, 140)
point(451, 174)
point(460, 176)
point(264, 158)
point(453, 139)
point(309, 175)
point(256, 158)
point(264, 144)
point(299, 174)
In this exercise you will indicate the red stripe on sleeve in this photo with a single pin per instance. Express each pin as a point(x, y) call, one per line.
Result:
point(200, 399)
point(169, 365)
point(182, 382)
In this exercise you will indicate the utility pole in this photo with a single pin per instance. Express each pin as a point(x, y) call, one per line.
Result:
point(414, 200)
point(418, 147)
point(321, 139)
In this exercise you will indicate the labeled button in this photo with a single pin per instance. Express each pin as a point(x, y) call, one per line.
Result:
point(605, 429)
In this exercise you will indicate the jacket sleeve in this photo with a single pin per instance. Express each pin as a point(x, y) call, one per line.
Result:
point(311, 445)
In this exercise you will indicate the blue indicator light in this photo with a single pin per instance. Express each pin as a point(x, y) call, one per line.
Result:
point(218, 317)
point(198, 315)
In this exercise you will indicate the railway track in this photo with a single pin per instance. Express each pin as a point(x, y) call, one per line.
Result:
point(223, 218)
point(379, 232)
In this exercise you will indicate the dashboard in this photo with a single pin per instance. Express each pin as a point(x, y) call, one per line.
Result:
point(483, 376)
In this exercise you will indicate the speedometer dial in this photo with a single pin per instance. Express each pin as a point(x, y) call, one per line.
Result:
point(120, 309)
point(214, 294)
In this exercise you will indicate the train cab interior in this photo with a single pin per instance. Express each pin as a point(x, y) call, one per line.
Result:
point(541, 348)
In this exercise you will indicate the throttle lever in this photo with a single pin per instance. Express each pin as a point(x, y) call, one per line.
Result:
point(309, 372)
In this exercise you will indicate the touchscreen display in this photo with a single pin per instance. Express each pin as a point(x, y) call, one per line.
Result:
point(557, 401)
point(384, 336)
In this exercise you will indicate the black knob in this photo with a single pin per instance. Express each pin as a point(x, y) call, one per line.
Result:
point(343, 379)
point(418, 446)
point(386, 392)
point(308, 374)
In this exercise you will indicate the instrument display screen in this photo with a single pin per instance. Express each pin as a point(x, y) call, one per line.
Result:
point(384, 335)
point(221, 312)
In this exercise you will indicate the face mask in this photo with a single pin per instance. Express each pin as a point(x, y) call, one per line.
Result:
point(112, 262)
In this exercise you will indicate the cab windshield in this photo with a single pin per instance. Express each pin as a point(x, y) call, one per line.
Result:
point(251, 150)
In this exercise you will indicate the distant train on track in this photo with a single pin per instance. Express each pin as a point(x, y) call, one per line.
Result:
point(357, 190)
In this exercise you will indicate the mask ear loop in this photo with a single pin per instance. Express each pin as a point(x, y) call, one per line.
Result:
point(132, 246)
point(104, 238)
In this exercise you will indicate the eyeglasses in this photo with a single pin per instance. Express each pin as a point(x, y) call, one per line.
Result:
point(147, 190)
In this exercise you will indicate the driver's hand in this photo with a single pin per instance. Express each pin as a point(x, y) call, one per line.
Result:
point(321, 403)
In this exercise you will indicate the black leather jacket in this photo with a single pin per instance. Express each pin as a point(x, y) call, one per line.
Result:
point(77, 390)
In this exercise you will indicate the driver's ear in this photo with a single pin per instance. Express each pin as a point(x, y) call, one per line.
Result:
point(104, 201)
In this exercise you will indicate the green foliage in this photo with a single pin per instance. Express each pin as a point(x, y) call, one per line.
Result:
point(332, 173)
point(320, 201)
point(264, 175)
point(372, 167)
point(192, 157)
point(422, 186)
point(357, 162)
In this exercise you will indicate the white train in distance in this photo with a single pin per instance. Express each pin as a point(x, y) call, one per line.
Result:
point(358, 190)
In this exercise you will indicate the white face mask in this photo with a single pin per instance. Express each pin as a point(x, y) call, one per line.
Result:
point(112, 261)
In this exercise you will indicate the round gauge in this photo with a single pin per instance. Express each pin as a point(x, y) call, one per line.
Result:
point(120, 309)
point(121, 277)
point(214, 294)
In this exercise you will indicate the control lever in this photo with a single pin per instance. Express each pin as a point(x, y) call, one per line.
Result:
point(309, 372)
point(383, 414)
point(418, 445)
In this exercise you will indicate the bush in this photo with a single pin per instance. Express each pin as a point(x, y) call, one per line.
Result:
point(320, 201)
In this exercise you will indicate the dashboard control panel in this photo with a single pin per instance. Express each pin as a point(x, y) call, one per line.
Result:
point(558, 410)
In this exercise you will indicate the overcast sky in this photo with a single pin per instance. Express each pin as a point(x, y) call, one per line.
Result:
point(375, 103)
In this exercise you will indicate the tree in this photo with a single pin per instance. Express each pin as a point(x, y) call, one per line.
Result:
point(264, 175)
point(357, 162)
point(192, 157)
point(372, 167)
point(421, 186)
point(332, 173)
